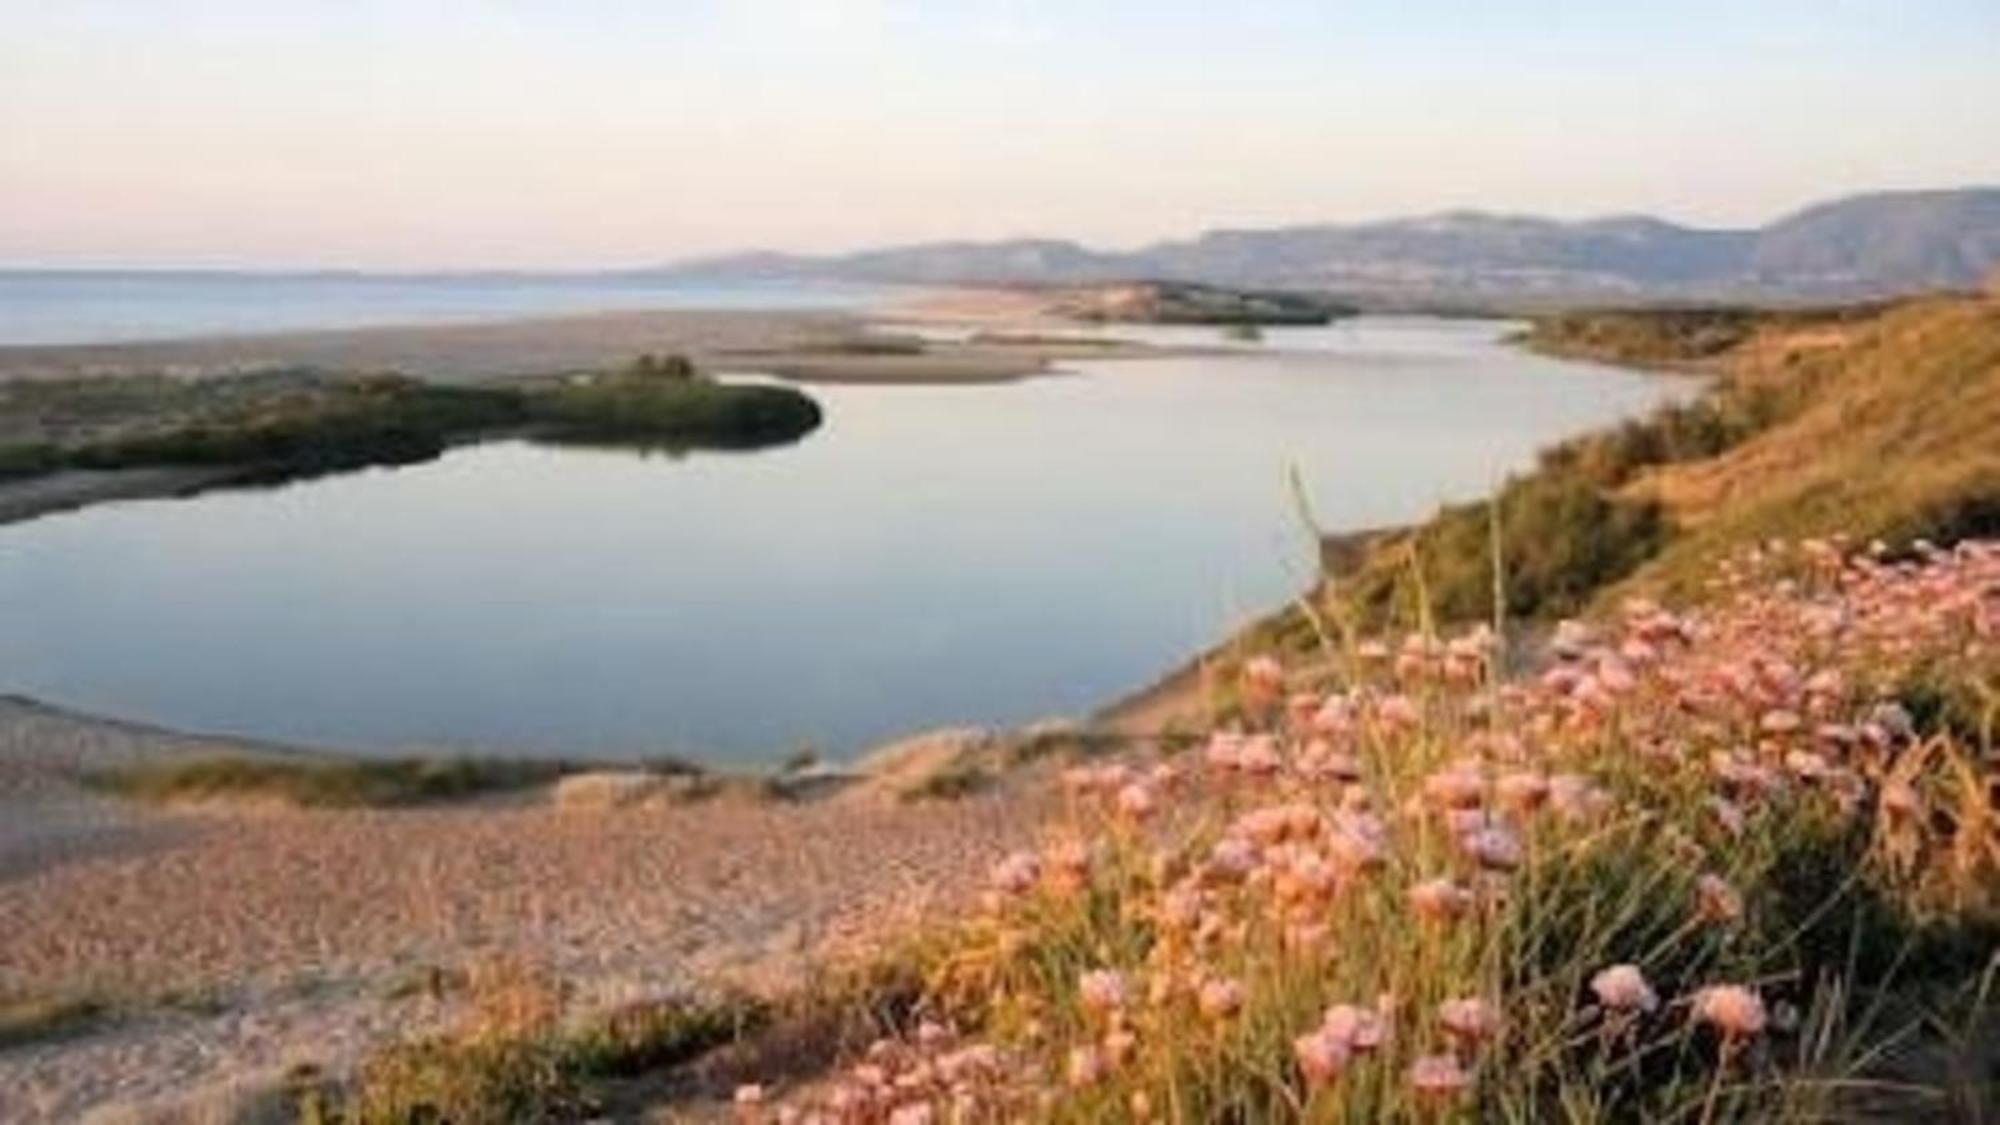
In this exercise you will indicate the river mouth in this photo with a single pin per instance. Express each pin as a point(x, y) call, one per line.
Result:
point(932, 556)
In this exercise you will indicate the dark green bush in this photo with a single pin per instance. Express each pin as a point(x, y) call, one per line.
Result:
point(674, 413)
point(1561, 539)
point(333, 784)
point(284, 425)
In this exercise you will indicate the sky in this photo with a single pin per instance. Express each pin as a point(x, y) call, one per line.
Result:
point(585, 133)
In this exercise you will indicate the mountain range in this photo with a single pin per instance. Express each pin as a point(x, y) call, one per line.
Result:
point(1858, 246)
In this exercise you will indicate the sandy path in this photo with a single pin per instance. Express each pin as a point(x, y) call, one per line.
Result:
point(296, 925)
point(529, 345)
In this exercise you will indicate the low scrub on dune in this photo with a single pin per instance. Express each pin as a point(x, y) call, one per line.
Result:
point(1707, 866)
point(285, 424)
point(514, 1055)
point(35, 1018)
point(338, 783)
point(1676, 336)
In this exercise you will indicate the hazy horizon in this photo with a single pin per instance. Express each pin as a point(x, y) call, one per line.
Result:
point(491, 135)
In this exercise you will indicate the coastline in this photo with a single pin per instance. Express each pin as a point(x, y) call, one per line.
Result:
point(751, 342)
point(798, 346)
point(736, 890)
point(74, 489)
point(804, 345)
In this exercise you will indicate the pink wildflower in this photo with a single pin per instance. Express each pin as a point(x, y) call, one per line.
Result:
point(1225, 750)
point(1136, 801)
point(1458, 786)
point(1220, 998)
point(1735, 1011)
point(1494, 848)
point(1321, 1056)
point(1439, 900)
point(1398, 712)
point(1623, 988)
point(1018, 873)
point(1717, 901)
point(1102, 991)
point(1086, 1067)
point(1523, 792)
point(1439, 1076)
point(1361, 1029)
point(1469, 1019)
point(1259, 756)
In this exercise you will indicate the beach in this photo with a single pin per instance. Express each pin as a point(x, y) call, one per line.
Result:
point(230, 941)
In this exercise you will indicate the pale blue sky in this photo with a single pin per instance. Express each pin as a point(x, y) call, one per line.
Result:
point(518, 133)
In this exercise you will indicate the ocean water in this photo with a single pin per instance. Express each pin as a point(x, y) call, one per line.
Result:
point(73, 307)
point(932, 556)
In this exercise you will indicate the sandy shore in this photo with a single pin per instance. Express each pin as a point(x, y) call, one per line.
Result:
point(833, 346)
point(451, 352)
point(238, 941)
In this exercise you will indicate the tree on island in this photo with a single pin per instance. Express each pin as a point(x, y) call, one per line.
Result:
point(676, 366)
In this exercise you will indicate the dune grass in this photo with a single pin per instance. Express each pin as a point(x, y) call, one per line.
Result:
point(1688, 336)
point(344, 783)
point(28, 1019)
point(515, 1056)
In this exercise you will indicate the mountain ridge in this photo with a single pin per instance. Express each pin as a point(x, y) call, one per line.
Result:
point(1864, 245)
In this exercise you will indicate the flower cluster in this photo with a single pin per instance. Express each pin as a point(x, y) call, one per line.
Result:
point(1342, 895)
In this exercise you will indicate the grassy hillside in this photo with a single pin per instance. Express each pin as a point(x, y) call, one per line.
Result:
point(1893, 432)
point(1694, 336)
point(1869, 422)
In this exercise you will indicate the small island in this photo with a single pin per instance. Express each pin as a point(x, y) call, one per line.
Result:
point(1181, 302)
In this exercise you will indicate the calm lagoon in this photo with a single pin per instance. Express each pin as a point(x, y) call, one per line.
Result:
point(931, 556)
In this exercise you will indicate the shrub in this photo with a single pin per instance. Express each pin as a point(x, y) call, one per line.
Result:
point(1561, 539)
point(674, 413)
point(316, 783)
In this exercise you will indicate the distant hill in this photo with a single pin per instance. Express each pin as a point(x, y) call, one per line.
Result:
point(1864, 245)
point(1901, 239)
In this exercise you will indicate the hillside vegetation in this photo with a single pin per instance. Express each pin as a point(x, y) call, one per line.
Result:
point(1878, 422)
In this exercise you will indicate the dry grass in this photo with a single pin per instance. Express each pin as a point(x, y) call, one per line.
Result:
point(348, 783)
point(312, 783)
point(1873, 422)
point(514, 1056)
point(1894, 439)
